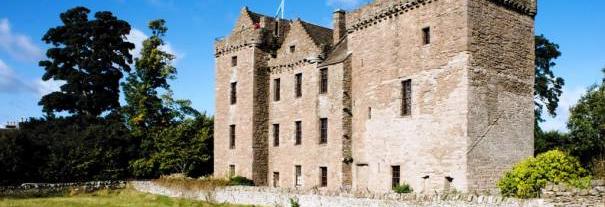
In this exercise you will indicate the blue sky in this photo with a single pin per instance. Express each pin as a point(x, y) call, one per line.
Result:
point(577, 26)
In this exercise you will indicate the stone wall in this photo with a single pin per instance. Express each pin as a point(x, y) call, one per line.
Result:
point(51, 189)
point(265, 196)
point(561, 195)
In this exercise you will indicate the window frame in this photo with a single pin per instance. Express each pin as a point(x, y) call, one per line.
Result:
point(233, 93)
point(323, 176)
point(276, 89)
point(298, 85)
point(323, 130)
point(234, 61)
point(406, 98)
point(426, 35)
point(298, 176)
point(298, 133)
point(231, 170)
point(232, 130)
point(395, 176)
point(275, 135)
point(323, 80)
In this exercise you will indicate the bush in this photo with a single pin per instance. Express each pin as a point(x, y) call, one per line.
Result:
point(239, 180)
point(403, 188)
point(528, 177)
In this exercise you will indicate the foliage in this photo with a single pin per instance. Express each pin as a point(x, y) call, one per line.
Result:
point(403, 188)
point(548, 87)
point(185, 148)
point(550, 140)
point(294, 202)
point(528, 177)
point(587, 125)
point(11, 151)
point(145, 109)
point(242, 181)
point(90, 56)
point(124, 198)
point(72, 149)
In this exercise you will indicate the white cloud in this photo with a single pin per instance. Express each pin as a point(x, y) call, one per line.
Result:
point(345, 4)
point(11, 83)
point(137, 37)
point(568, 99)
point(17, 45)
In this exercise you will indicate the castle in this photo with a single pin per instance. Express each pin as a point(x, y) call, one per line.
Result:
point(437, 94)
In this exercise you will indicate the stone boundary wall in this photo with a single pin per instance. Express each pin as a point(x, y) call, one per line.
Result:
point(265, 196)
point(561, 195)
point(51, 189)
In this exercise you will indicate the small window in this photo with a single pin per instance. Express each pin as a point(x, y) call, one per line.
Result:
point(232, 137)
point(323, 85)
point(234, 61)
point(426, 35)
point(323, 126)
point(275, 179)
point(396, 178)
point(276, 89)
point(448, 184)
point(406, 98)
point(298, 85)
point(369, 112)
point(324, 176)
point(231, 170)
point(298, 176)
point(233, 93)
point(298, 136)
point(275, 135)
point(292, 49)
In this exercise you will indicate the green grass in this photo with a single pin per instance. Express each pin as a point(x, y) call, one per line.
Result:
point(122, 198)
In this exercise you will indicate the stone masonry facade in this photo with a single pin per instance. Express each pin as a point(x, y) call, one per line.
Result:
point(437, 94)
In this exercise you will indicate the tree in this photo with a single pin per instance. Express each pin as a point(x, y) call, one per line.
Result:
point(90, 56)
point(551, 140)
point(548, 87)
point(587, 125)
point(145, 109)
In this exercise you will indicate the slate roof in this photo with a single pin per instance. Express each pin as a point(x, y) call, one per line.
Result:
point(319, 34)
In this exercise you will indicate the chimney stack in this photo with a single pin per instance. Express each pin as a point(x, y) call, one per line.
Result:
point(340, 25)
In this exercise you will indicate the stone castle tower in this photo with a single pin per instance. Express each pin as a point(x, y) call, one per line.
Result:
point(434, 93)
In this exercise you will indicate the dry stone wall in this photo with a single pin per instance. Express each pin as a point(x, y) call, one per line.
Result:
point(265, 196)
point(561, 195)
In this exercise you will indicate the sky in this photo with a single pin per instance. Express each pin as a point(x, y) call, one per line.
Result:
point(577, 26)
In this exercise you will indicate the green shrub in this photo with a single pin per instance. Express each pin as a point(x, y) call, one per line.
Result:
point(528, 177)
point(294, 203)
point(239, 180)
point(403, 188)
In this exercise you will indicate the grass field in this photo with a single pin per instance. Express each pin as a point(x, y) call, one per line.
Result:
point(123, 198)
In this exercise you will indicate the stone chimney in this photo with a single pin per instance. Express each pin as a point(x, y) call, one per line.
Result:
point(340, 25)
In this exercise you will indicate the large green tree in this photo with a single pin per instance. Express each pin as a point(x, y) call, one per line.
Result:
point(548, 87)
point(146, 109)
point(587, 125)
point(90, 56)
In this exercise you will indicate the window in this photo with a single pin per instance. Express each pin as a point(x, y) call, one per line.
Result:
point(324, 176)
point(275, 179)
point(298, 136)
point(448, 184)
point(292, 49)
point(276, 89)
point(298, 175)
point(323, 128)
point(275, 135)
point(234, 61)
point(369, 112)
point(396, 170)
point(233, 93)
point(323, 84)
point(426, 35)
point(231, 170)
point(298, 85)
point(406, 98)
point(232, 137)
